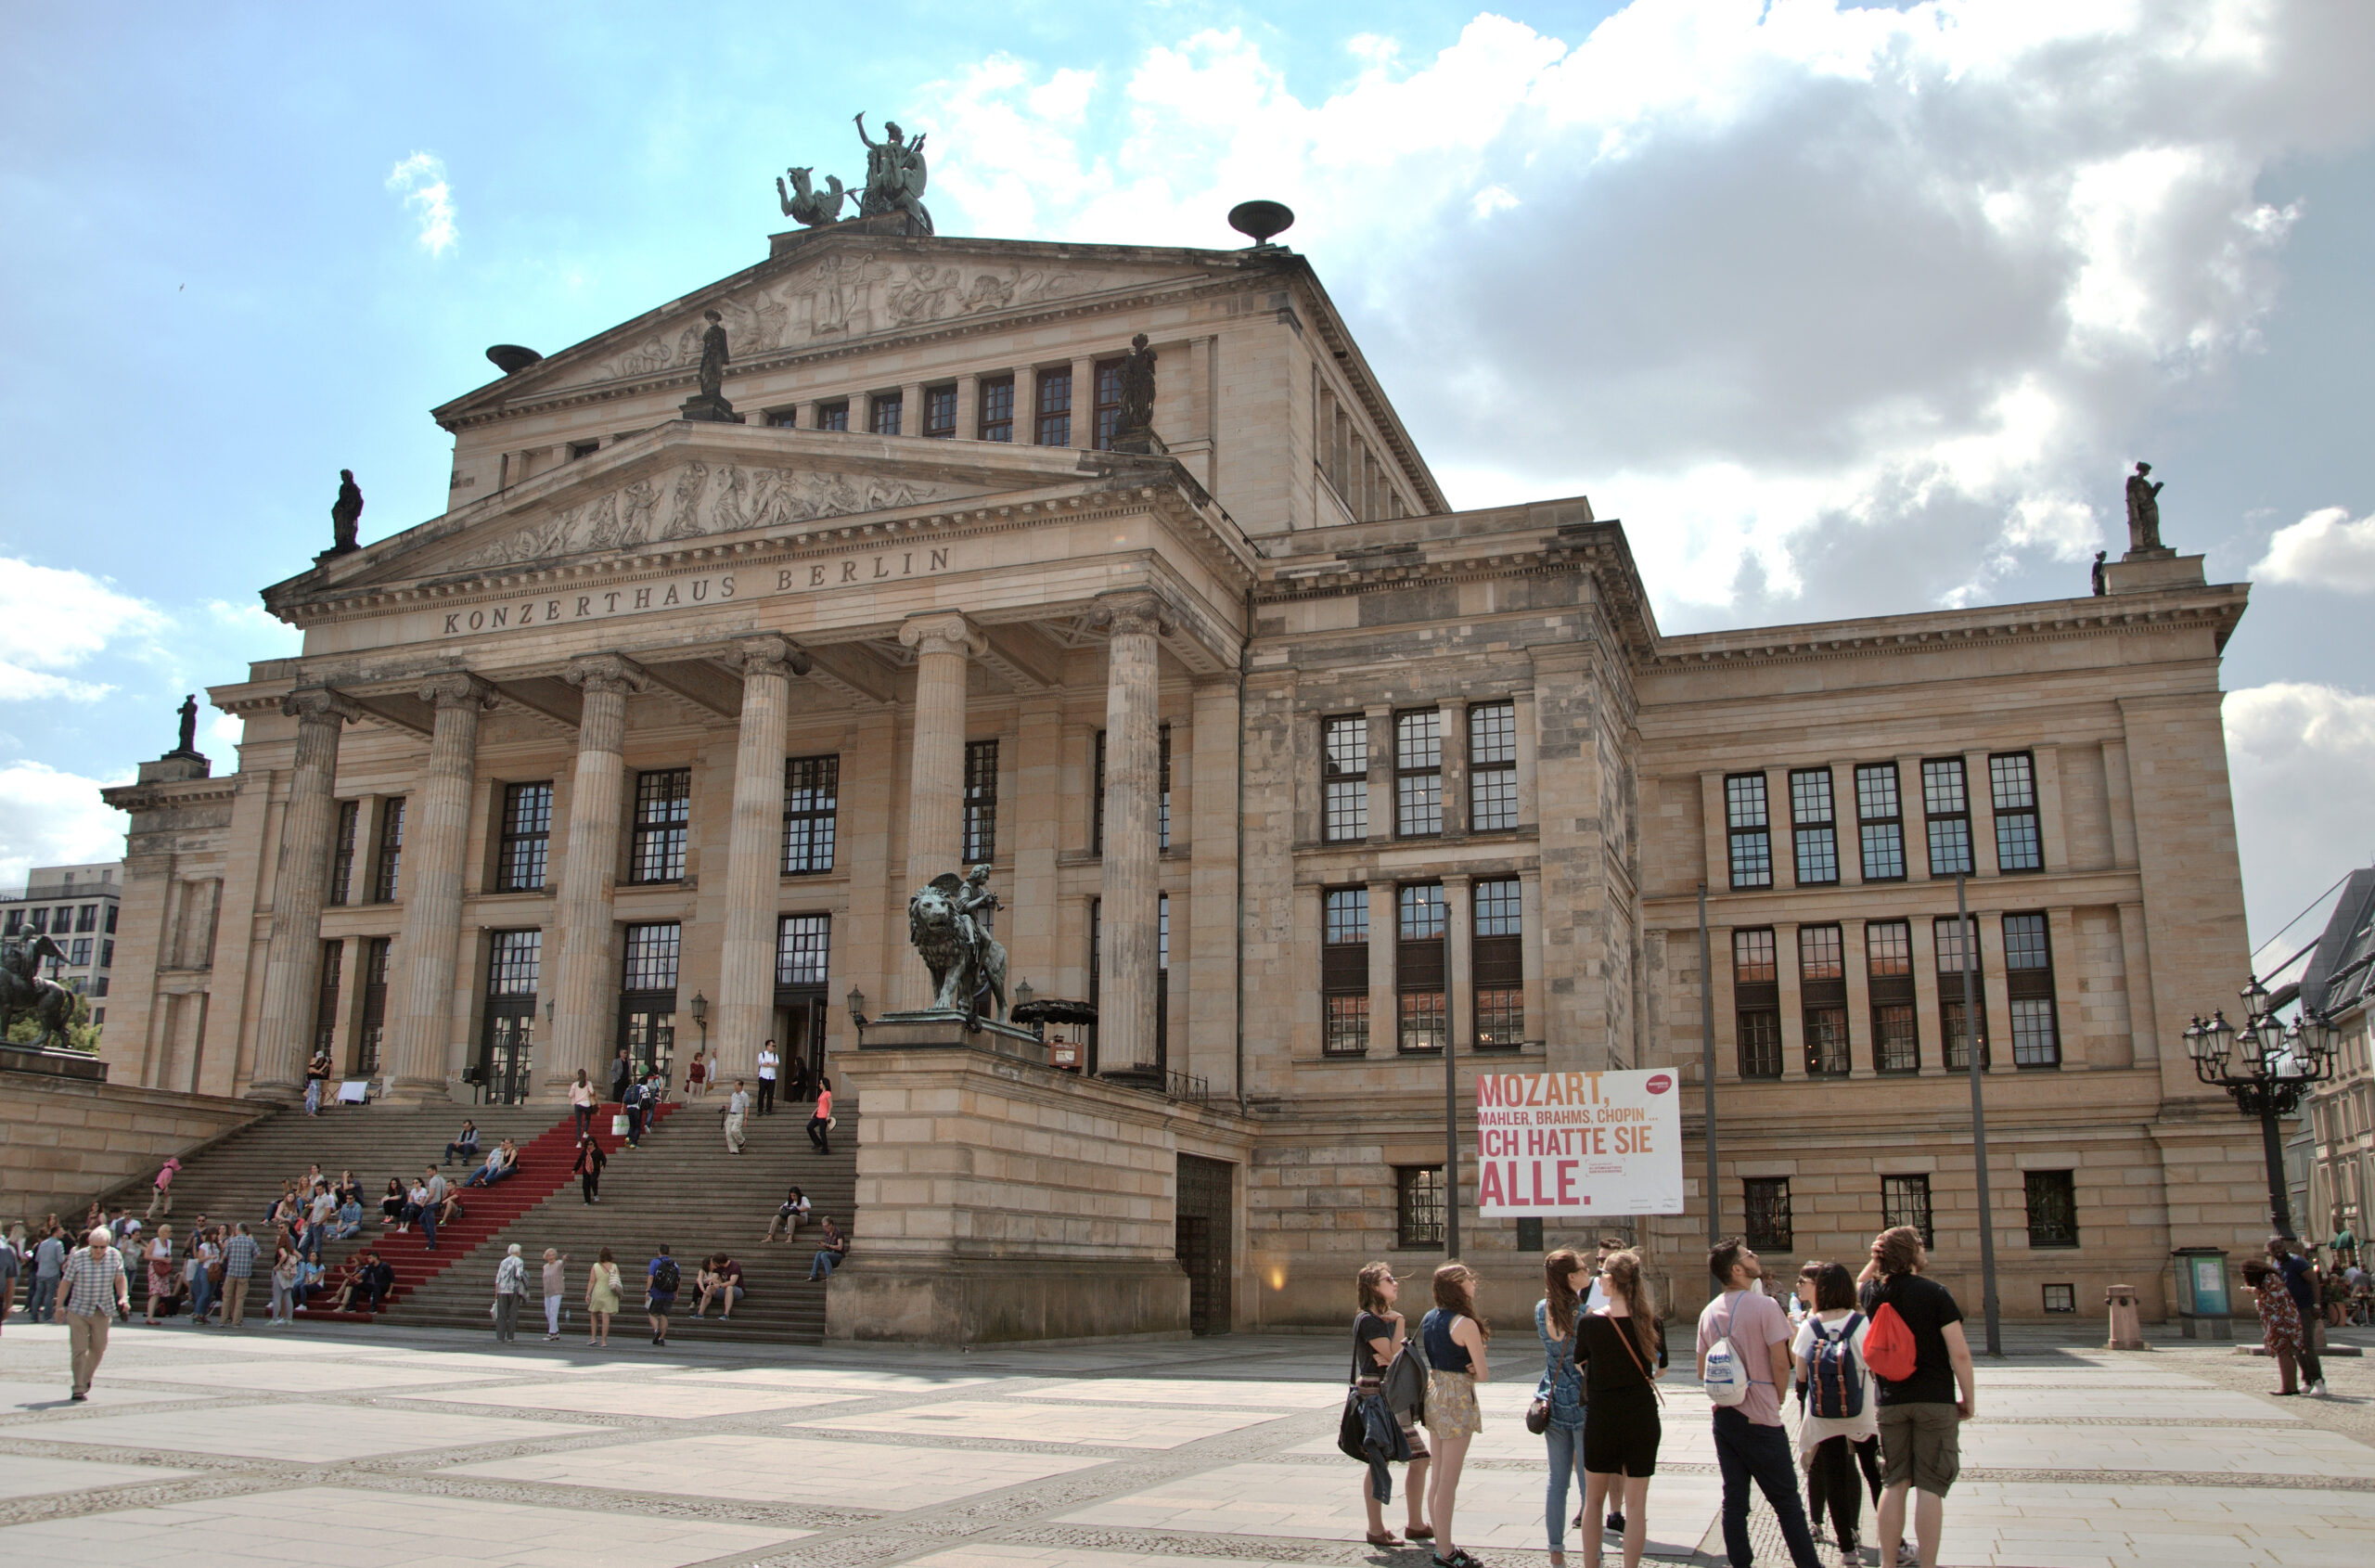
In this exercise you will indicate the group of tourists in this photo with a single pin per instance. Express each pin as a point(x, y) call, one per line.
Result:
point(1875, 1361)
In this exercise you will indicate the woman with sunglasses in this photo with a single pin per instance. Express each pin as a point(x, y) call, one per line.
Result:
point(1453, 1337)
point(1377, 1334)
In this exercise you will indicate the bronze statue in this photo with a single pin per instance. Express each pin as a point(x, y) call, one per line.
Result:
point(802, 203)
point(2143, 511)
point(23, 989)
point(188, 746)
point(713, 371)
point(346, 514)
point(949, 922)
point(894, 176)
point(1137, 389)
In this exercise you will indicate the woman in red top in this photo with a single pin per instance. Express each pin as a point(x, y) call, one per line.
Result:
point(821, 1122)
point(2279, 1319)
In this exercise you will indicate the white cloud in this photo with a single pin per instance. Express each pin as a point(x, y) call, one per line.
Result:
point(2325, 549)
point(420, 179)
point(53, 819)
point(53, 619)
point(2303, 757)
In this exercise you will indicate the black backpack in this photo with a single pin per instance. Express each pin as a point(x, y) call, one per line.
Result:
point(665, 1278)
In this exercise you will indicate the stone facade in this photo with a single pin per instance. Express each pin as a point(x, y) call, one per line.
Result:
point(65, 1141)
point(555, 762)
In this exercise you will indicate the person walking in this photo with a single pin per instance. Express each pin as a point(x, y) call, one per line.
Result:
point(1838, 1422)
point(588, 1168)
point(1378, 1338)
point(510, 1286)
point(239, 1269)
point(433, 1187)
point(93, 1286)
point(1920, 1417)
point(602, 1287)
point(204, 1272)
point(1749, 1444)
point(2301, 1279)
point(288, 1267)
point(1560, 1389)
point(49, 1266)
point(768, 1062)
point(661, 1279)
point(582, 1097)
point(1453, 1339)
point(696, 1077)
point(555, 1280)
point(820, 1120)
point(736, 1105)
point(2281, 1331)
point(622, 1075)
point(1621, 1347)
point(161, 1197)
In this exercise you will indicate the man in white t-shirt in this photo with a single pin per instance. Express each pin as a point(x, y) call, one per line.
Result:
point(1749, 1443)
point(768, 1062)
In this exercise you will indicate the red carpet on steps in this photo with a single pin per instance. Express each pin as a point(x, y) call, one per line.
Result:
point(543, 1168)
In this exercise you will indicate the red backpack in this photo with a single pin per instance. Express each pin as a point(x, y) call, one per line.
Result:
point(1888, 1347)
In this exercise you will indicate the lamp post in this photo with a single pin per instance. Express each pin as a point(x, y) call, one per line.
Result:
point(2266, 1066)
point(700, 1016)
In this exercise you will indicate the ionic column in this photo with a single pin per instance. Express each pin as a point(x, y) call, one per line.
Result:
point(436, 839)
point(583, 1024)
point(1133, 803)
point(944, 644)
point(746, 988)
point(292, 971)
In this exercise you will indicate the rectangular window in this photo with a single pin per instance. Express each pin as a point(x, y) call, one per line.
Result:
point(1491, 766)
point(980, 801)
point(2053, 1208)
point(1814, 827)
point(812, 791)
point(663, 809)
point(783, 418)
point(1496, 963)
point(1419, 773)
point(513, 961)
point(832, 416)
point(1888, 966)
point(87, 917)
point(1418, 1205)
point(78, 952)
point(15, 923)
point(997, 413)
point(1419, 965)
point(326, 999)
point(1905, 1200)
point(1946, 804)
point(371, 1029)
point(350, 818)
point(2028, 977)
point(1751, 827)
point(583, 449)
point(1344, 971)
point(885, 412)
point(391, 850)
point(1767, 1199)
point(940, 414)
point(1096, 802)
point(1162, 787)
point(1756, 994)
point(2012, 780)
point(110, 920)
point(1948, 935)
point(1880, 818)
point(1107, 409)
point(107, 955)
point(1822, 987)
point(40, 922)
point(803, 949)
point(527, 838)
point(2062, 1298)
point(1345, 778)
point(651, 958)
point(1052, 420)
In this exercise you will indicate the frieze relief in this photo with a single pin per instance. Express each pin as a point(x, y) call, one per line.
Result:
point(693, 502)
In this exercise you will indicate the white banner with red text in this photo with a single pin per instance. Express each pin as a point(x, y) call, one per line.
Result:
point(1578, 1143)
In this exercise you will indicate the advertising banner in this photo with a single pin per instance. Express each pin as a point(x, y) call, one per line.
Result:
point(1578, 1143)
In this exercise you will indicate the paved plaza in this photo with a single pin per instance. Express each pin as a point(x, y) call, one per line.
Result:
point(382, 1448)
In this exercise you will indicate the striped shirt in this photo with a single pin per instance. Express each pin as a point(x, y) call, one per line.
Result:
point(93, 1282)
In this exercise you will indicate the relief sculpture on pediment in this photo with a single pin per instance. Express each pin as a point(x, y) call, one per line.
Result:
point(684, 518)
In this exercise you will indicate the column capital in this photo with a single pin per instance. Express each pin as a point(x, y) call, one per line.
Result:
point(606, 672)
point(770, 655)
point(946, 631)
point(1132, 611)
point(457, 690)
point(317, 702)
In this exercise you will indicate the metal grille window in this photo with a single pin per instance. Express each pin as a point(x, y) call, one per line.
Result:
point(1418, 1205)
point(1751, 827)
point(1053, 424)
point(1345, 778)
point(1491, 766)
point(939, 413)
point(2028, 978)
point(1418, 963)
point(1106, 412)
point(350, 821)
point(833, 416)
point(812, 798)
point(1767, 1199)
point(664, 808)
point(1162, 787)
point(651, 958)
point(2012, 782)
point(1952, 952)
point(886, 414)
point(391, 850)
point(2062, 1298)
point(1756, 994)
point(1946, 803)
point(1096, 802)
point(1496, 961)
point(1888, 966)
point(371, 1031)
point(1344, 971)
point(997, 414)
point(1822, 986)
point(1419, 773)
point(1905, 1200)
point(526, 837)
point(326, 1000)
point(1814, 827)
point(2053, 1208)
point(1879, 820)
point(515, 957)
point(803, 949)
point(980, 801)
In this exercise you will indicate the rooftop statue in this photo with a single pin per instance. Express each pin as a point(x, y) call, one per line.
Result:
point(1137, 386)
point(188, 746)
point(949, 922)
point(802, 201)
point(2143, 511)
point(894, 176)
point(346, 514)
point(709, 401)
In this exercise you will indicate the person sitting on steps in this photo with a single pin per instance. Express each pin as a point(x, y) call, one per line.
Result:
point(790, 1214)
point(466, 1142)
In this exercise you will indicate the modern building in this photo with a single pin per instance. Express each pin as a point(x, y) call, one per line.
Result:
point(2339, 1116)
point(1301, 776)
point(75, 906)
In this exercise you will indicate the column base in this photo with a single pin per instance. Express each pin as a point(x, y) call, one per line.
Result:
point(993, 1300)
point(1135, 1077)
point(416, 1091)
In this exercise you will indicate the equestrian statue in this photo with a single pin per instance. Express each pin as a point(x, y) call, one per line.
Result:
point(23, 989)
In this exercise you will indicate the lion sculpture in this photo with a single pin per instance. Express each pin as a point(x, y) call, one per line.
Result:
point(965, 962)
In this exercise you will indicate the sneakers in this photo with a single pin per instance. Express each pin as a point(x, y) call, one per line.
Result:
point(2318, 1388)
point(1616, 1523)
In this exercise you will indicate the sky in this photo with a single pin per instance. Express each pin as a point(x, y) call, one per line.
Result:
point(1841, 309)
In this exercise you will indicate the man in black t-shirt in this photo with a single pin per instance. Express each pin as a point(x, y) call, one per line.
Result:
point(1922, 1415)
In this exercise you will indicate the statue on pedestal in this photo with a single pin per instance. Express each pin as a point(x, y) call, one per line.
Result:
point(895, 175)
point(2143, 511)
point(346, 517)
point(949, 922)
point(188, 746)
point(709, 403)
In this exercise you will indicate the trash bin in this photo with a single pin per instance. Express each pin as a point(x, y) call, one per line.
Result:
point(2204, 1310)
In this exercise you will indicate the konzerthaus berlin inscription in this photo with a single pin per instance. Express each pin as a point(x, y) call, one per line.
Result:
point(729, 644)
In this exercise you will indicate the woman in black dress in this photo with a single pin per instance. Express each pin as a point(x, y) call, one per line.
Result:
point(1621, 1347)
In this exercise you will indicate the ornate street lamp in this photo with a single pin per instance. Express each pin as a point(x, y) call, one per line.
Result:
point(2267, 1066)
point(700, 1016)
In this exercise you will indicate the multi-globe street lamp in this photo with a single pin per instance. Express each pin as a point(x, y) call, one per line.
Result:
point(2267, 1066)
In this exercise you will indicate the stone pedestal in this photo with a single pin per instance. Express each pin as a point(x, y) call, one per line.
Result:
point(177, 767)
point(2144, 571)
point(713, 410)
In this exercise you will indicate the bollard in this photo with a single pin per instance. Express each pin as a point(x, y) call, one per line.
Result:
point(2127, 1330)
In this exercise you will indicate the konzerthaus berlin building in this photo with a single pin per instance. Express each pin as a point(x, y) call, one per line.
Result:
point(1298, 772)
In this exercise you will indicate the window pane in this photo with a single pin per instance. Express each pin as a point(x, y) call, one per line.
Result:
point(1767, 1199)
point(887, 413)
point(1107, 409)
point(664, 803)
point(527, 836)
point(1492, 761)
point(997, 408)
point(1760, 1036)
point(1876, 793)
point(1498, 908)
point(1827, 1051)
point(1419, 1206)
point(1501, 1017)
point(391, 848)
point(2013, 781)
point(980, 801)
point(1422, 1021)
point(1822, 953)
point(1883, 851)
point(1417, 766)
point(1422, 911)
point(1492, 733)
point(2053, 1208)
point(513, 962)
point(1752, 843)
point(1744, 800)
point(1054, 427)
point(651, 958)
point(1942, 787)
point(1949, 846)
point(1347, 916)
point(1753, 957)
point(811, 787)
point(1888, 948)
point(1346, 1025)
point(940, 412)
point(1345, 767)
point(1896, 1048)
point(2026, 946)
point(804, 947)
point(2036, 1042)
point(1905, 1200)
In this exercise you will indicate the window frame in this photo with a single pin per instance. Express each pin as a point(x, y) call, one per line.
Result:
point(1756, 1003)
point(1345, 978)
point(387, 866)
point(1814, 840)
point(1905, 1200)
point(938, 400)
point(1353, 783)
point(671, 834)
point(804, 950)
point(1048, 419)
point(1491, 777)
point(979, 829)
point(1768, 1226)
point(1419, 1207)
point(1891, 996)
point(1954, 819)
point(2029, 989)
point(672, 951)
point(2050, 1200)
point(1951, 994)
point(1496, 963)
point(810, 779)
point(1822, 991)
point(886, 409)
point(1105, 402)
point(2018, 769)
point(1422, 1011)
point(834, 417)
point(993, 408)
point(1418, 786)
point(513, 841)
point(1745, 793)
point(348, 829)
point(1885, 829)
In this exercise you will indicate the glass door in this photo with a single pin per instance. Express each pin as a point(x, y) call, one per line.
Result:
point(504, 1053)
point(647, 1030)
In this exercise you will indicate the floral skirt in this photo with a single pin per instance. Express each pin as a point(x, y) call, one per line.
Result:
point(1451, 1405)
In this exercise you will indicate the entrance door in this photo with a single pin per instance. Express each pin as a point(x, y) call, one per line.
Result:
point(1202, 1231)
point(647, 1030)
point(503, 1053)
point(800, 1036)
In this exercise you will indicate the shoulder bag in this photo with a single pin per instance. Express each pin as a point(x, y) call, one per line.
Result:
point(1349, 1429)
point(1626, 1335)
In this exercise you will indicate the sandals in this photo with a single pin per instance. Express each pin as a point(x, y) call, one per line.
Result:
point(1419, 1532)
point(1388, 1540)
